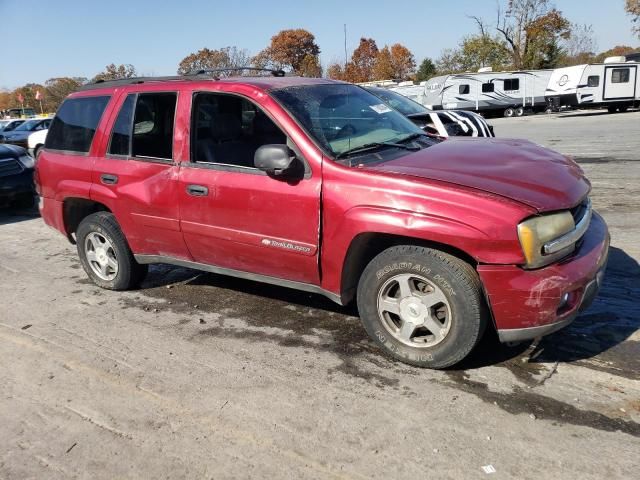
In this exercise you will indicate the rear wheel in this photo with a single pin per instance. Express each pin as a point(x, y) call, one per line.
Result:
point(105, 254)
point(623, 109)
point(422, 306)
point(509, 112)
point(519, 111)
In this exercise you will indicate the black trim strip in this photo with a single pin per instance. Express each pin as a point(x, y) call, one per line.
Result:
point(305, 287)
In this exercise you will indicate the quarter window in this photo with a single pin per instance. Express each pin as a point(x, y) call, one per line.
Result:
point(593, 81)
point(464, 89)
point(488, 88)
point(511, 84)
point(153, 125)
point(620, 75)
point(75, 124)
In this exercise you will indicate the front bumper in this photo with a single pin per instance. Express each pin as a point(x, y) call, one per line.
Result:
point(13, 186)
point(529, 303)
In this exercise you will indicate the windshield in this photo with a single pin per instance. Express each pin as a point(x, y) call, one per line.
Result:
point(27, 126)
point(404, 105)
point(12, 125)
point(343, 117)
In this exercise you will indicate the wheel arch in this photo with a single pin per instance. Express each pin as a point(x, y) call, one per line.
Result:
point(365, 246)
point(75, 209)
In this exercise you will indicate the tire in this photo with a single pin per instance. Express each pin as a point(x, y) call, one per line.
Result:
point(623, 109)
point(509, 112)
point(519, 112)
point(612, 109)
point(434, 277)
point(37, 151)
point(105, 254)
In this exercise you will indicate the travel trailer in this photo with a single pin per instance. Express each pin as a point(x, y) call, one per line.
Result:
point(506, 93)
point(614, 84)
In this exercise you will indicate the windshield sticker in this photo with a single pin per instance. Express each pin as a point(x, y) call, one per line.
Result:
point(380, 108)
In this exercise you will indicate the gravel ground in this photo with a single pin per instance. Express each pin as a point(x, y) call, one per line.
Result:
point(201, 376)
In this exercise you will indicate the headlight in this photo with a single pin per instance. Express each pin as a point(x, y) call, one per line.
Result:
point(537, 231)
point(27, 161)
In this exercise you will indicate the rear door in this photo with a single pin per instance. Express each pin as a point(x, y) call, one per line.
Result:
point(136, 175)
point(620, 82)
point(235, 216)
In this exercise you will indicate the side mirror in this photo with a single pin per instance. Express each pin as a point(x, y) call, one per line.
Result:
point(276, 160)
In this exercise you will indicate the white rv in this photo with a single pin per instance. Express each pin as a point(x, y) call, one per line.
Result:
point(506, 93)
point(614, 84)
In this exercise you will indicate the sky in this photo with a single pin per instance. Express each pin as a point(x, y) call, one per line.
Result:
point(45, 39)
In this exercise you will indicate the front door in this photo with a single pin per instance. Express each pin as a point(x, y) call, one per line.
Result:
point(620, 82)
point(235, 216)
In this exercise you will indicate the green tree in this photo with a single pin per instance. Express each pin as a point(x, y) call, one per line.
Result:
point(426, 70)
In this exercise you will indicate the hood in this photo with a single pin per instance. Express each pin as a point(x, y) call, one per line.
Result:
point(515, 169)
point(11, 151)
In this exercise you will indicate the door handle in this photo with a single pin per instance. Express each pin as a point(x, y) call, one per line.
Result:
point(108, 179)
point(197, 190)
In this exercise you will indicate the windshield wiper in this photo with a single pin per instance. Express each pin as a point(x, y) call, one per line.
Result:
point(374, 146)
point(413, 136)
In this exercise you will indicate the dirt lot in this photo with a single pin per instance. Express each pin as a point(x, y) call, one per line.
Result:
point(202, 376)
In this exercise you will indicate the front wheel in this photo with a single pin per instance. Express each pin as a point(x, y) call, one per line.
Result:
point(509, 112)
point(105, 254)
point(422, 306)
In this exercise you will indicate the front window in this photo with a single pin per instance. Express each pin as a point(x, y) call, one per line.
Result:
point(27, 126)
point(343, 118)
point(593, 81)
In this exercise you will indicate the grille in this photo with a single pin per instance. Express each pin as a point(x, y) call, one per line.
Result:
point(10, 167)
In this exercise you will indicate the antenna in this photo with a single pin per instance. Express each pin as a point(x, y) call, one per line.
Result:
point(345, 46)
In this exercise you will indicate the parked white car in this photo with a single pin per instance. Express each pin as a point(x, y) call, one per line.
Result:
point(35, 142)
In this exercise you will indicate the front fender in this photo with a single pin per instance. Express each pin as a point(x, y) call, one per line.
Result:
point(484, 245)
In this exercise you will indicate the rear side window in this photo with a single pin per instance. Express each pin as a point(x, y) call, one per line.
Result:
point(593, 81)
point(620, 75)
point(488, 87)
point(120, 143)
point(75, 124)
point(153, 125)
point(463, 89)
point(511, 84)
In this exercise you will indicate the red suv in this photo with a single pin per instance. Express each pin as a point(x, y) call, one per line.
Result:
point(318, 185)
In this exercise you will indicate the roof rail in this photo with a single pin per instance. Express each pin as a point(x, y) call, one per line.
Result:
point(274, 72)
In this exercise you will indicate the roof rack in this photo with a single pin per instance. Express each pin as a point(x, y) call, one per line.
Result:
point(209, 73)
point(274, 72)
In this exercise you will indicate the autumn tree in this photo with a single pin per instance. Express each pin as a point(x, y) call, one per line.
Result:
point(404, 63)
point(335, 71)
point(530, 27)
point(449, 61)
point(632, 7)
point(426, 70)
point(617, 51)
point(295, 50)
point(206, 59)
point(383, 67)
point(57, 89)
point(115, 72)
point(363, 59)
